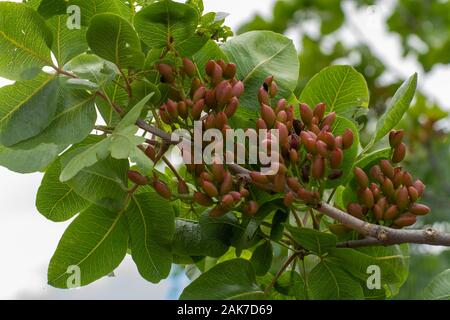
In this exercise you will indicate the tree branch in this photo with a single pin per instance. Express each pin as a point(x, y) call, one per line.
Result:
point(380, 235)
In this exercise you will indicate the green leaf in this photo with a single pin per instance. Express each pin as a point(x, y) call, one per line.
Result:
point(350, 155)
point(133, 115)
point(231, 280)
point(93, 68)
point(291, 284)
point(341, 88)
point(114, 39)
point(373, 157)
point(55, 200)
point(49, 8)
point(206, 237)
point(313, 240)
point(262, 258)
point(27, 108)
point(393, 263)
point(115, 93)
point(19, 160)
point(151, 232)
point(96, 242)
point(90, 8)
point(165, 21)
point(259, 54)
point(210, 50)
point(73, 121)
point(67, 43)
point(329, 282)
point(25, 40)
point(439, 287)
point(396, 109)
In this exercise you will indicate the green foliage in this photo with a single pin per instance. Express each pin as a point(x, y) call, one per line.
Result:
point(439, 287)
point(102, 173)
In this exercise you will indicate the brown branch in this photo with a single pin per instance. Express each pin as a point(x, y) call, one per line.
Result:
point(380, 235)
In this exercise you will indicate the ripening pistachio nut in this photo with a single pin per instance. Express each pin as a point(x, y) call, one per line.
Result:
point(387, 187)
point(329, 119)
point(336, 159)
point(293, 183)
point(399, 153)
point(210, 189)
point(420, 187)
point(162, 189)
point(402, 198)
point(319, 111)
point(289, 199)
point(251, 208)
point(268, 115)
point(202, 199)
point(279, 182)
point(387, 168)
point(166, 71)
point(189, 67)
point(197, 109)
point(137, 178)
point(405, 220)
point(306, 113)
point(377, 212)
point(391, 212)
point(396, 137)
point(419, 209)
point(318, 167)
point(227, 183)
point(361, 177)
point(347, 139)
point(230, 71)
point(413, 194)
point(367, 198)
point(263, 96)
point(183, 187)
point(376, 173)
point(355, 210)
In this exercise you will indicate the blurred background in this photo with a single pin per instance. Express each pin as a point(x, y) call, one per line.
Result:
point(385, 40)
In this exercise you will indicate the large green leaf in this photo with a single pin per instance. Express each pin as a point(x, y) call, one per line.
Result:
point(259, 54)
point(341, 88)
point(114, 39)
point(328, 281)
point(313, 240)
point(67, 43)
point(396, 109)
point(115, 92)
point(96, 242)
point(27, 108)
point(19, 160)
point(339, 127)
point(439, 287)
point(55, 200)
point(89, 9)
point(122, 144)
point(231, 280)
point(162, 22)
point(206, 237)
point(49, 8)
point(291, 284)
point(151, 233)
point(73, 121)
point(262, 258)
point(25, 40)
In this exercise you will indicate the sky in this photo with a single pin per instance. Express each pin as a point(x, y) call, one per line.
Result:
point(28, 240)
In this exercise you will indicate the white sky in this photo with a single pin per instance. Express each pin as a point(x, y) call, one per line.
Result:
point(27, 240)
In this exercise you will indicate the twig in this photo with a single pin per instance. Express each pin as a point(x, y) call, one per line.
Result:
point(280, 272)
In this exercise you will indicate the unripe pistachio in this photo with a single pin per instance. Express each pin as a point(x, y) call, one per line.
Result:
point(420, 187)
point(282, 116)
point(183, 187)
point(339, 142)
point(210, 97)
point(377, 212)
point(306, 113)
point(419, 209)
point(216, 76)
point(402, 198)
point(329, 119)
point(236, 195)
point(238, 89)
point(336, 159)
point(293, 156)
point(283, 133)
point(305, 173)
point(218, 171)
point(227, 183)
point(387, 168)
point(263, 96)
point(222, 64)
point(347, 139)
point(322, 149)
point(261, 124)
point(391, 213)
point(399, 153)
point(405, 220)
point(202, 199)
point(396, 137)
point(367, 198)
point(221, 120)
point(398, 179)
point(289, 199)
point(281, 105)
point(361, 177)
point(273, 89)
point(189, 67)
point(319, 111)
point(210, 189)
point(293, 183)
point(413, 194)
point(318, 167)
point(199, 94)
point(182, 109)
point(162, 189)
point(376, 173)
point(268, 81)
point(210, 121)
point(311, 146)
point(164, 115)
point(258, 177)
point(166, 72)
point(150, 152)
point(407, 179)
point(231, 108)
point(223, 93)
point(227, 201)
point(268, 115)
point(388, 187)
point(251, 208)
point(209, 68)
point(195, 84)
point(137, 178)
point(305, 195)
point(335, 174)
point(230, 71)
point(197, 109)
point(279, 182)
point(244, 192)
point(382, 203)
point(172, 109)
point(355, 210)
point(328, 138)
